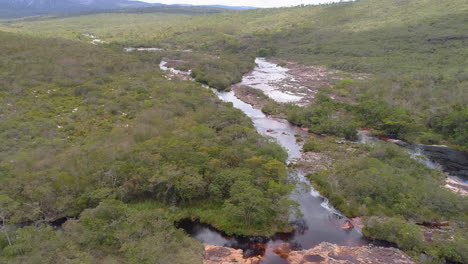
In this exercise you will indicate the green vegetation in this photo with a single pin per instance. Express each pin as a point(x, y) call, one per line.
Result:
point(398, 192)
point(414, 50)
point(83, 126)
point(97, 134)
point(110, 233)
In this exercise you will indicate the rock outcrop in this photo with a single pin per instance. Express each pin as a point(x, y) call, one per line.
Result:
point(324, 253)
point(223, 255)
point(333, 254)
point(452, 160)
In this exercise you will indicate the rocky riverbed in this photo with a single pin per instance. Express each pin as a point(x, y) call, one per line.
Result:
point(325, 253)
point(290, 82)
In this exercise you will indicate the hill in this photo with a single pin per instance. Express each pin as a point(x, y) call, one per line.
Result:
point(414, 51)
point(97, 135)
point(25, 8)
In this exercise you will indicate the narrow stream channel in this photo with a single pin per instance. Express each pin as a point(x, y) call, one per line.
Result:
point(320, 221)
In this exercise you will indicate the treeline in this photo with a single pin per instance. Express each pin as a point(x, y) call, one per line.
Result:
point(84, 127)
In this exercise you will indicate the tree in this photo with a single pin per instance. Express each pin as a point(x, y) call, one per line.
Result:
point(248, 204)
point(7, 210)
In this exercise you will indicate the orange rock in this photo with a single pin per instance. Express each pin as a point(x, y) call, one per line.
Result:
point(222, 255)
point(282, 250)
point(347, 225)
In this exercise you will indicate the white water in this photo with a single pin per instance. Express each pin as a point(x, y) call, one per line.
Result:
point(94, 39)
point(163, 67)
point(269, 77)
point(142, 49)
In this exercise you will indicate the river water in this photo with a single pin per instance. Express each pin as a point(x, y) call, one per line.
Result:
point(319, 222)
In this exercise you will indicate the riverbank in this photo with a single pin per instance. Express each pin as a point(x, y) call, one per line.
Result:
point(320, 221)
point(425, 238)
point(325, 253)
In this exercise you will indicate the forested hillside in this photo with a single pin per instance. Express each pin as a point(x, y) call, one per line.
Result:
point(89, 133)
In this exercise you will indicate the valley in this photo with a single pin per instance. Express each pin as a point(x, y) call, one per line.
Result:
point(174, 134)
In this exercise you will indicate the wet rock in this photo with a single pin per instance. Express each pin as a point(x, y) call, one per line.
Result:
point(282, 250)
point(333, 254)
point(222, 255)
point(347, 225)
point(451, 159)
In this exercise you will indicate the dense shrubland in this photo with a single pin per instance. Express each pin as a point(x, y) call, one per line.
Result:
point(332, 117)
point(110, 233)
point(395, 193)
point(85, 131)
point(414, 50)
point(83, 127)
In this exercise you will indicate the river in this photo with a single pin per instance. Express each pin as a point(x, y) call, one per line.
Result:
point(320, 222)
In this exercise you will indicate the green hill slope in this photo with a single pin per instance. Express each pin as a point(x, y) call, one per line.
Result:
point(415, 50)
point(87, 132)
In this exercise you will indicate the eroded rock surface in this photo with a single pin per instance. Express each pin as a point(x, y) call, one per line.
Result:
point(332, 254)
point(222, 255)
point(325, 253)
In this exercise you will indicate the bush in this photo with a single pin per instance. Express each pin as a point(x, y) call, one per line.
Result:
point(312, 144)
point(406, 235)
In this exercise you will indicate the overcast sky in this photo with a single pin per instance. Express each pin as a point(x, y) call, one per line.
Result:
point(256, 3)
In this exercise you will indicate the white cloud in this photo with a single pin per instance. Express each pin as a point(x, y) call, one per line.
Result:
point(256, 3)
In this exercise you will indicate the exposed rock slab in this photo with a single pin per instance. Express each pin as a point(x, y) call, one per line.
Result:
point(333, 254)
point(325, 253)
point(292, 82)
point(223, 255)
